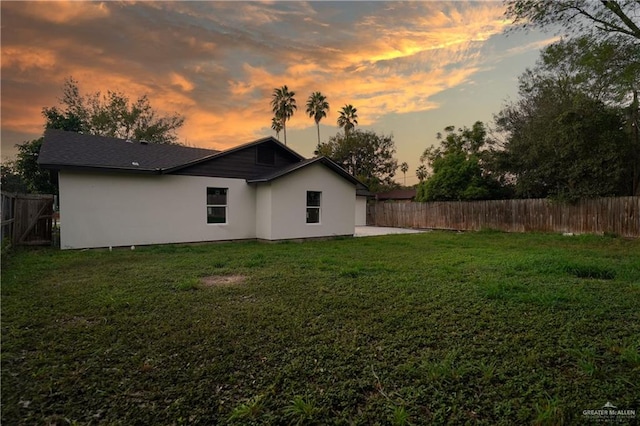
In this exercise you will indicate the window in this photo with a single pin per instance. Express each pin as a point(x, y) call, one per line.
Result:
point(265, 155)
point(217, 205)
point(313, 206)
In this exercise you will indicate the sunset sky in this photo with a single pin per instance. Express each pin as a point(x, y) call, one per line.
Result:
point(410, 68)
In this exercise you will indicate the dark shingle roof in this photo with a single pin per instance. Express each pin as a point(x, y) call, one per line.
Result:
point(397, 194)
point(363, 191)
point(70, 149)
point(64, 150)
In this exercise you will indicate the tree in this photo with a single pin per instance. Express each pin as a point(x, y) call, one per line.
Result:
point(10, 179)
point(596, 72)
point(606, 17)
point(364, 154)
point(457, 165)
point(565, 145)
point(609, 69)
point(551, 132)
point(317, 107)
point(633, 120)
point(36, 180)
point(112, 115)
point(348, 118)
point(422, 173)
point(283, 104)
point(404, 168)
point(276, 124)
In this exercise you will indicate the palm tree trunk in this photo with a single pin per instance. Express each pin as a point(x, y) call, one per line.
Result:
point(284, 128)
point(318, 127)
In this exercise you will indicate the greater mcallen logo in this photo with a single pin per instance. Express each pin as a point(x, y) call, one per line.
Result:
point(609, 413)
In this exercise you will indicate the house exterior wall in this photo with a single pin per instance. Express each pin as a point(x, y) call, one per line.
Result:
point(288, 198)
point(101, 210)
point(263, 211)
point(361, 211)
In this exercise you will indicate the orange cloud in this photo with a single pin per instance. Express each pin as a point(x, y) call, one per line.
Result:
point(375, 97)
point(374, 92)
point(181, 82)
point(20, 117)
point(61, 12)
point(28, 57)
point(217, 63)
point(208, 130)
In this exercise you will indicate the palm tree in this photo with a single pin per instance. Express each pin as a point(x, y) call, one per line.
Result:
point(317, 107)
point(283, 104)
point(276, 124)
point(348, 118)
point(421, 172)
point(404, 168)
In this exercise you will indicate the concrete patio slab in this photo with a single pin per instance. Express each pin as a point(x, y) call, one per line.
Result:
point(370, 231)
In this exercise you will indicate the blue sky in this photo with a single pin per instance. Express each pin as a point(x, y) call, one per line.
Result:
point(410, 68)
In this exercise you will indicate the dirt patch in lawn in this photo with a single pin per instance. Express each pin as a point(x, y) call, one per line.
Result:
point(222, 280)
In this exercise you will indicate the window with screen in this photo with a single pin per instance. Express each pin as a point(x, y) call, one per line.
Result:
point(217, 205)
point(313, 206)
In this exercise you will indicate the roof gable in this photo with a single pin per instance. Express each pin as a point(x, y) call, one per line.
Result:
point(303, 164)
point(268, 139)
point(241, 161)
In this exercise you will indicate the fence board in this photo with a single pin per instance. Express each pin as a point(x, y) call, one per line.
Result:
point(7, 205)
point(620, 215)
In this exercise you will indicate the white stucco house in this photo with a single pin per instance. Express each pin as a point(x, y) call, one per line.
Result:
point(115, 192)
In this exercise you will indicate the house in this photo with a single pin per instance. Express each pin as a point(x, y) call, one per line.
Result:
point(397, 195)
point(116, 192)
point(362, 196)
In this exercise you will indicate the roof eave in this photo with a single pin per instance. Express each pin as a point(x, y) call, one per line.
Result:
point(323, 160)
point(332, 164)
point(192, 163)
point(113, 169)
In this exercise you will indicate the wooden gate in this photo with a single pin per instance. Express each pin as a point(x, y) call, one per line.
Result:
point(27, 219)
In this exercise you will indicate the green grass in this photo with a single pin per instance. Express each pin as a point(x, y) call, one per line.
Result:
point(437, 328)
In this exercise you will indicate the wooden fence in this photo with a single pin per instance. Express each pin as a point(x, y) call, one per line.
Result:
point(27, 219)
point(619, 215)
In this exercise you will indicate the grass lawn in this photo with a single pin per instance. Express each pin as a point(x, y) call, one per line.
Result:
point(437, 328)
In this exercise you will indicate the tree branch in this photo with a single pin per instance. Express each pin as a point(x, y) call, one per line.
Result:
point(614, 7)
point(607, 26)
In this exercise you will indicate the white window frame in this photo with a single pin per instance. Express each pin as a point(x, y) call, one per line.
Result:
point(314, 207)
point(225, 206)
